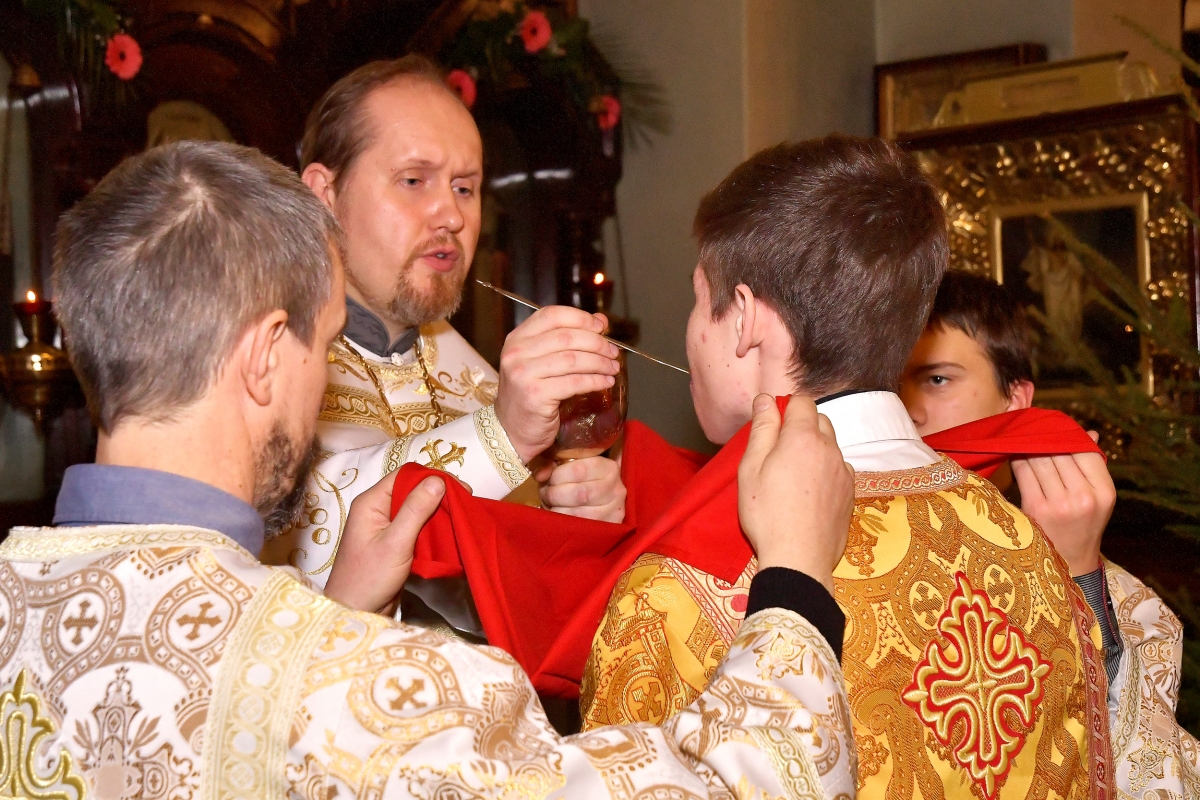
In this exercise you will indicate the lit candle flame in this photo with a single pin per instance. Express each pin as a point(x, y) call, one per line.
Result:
point(31, 296)
point(598, 279)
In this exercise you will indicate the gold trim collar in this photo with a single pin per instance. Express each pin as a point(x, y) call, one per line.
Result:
point(49, 544)
point(936, 477)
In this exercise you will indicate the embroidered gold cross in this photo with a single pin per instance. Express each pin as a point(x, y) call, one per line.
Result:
point(649, 705)
point(443, 460)
point(926, 605)
point(196, 620)
point(406, 695)
point(80, 622)
point(1001, 589)
point(340, 630)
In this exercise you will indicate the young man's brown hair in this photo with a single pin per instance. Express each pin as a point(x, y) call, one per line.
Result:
point(845, 238)
point(993, 317)
point(337, 130)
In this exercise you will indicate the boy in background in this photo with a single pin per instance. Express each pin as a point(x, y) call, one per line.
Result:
point(975, 360)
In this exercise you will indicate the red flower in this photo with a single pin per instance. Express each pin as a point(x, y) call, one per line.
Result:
point(123, 56)
point(463, 85)
point(535, 31)
point(609, 113)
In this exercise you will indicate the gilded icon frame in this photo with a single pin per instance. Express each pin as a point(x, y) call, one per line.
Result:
point(914, 82)
point(1088, 159)
point(1138, 202)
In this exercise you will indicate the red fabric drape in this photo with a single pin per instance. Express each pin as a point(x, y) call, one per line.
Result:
point(542, 580)
point(982, 446)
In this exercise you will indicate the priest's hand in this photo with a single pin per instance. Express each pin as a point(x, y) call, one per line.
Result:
point(1071, 497)
point(587, 487)
point(557, 353)
point(376, 553)
point(795, 492)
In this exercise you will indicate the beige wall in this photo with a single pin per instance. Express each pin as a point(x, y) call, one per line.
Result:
point(808, 69)
point(738, 74)
point(1097, 30)
point(907, 29)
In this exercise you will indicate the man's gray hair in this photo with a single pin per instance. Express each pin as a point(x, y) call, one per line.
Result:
point(164, 266)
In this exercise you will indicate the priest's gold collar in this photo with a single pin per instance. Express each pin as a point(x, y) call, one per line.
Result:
point(48, 544)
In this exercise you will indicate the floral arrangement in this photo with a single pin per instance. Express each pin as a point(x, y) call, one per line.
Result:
point(505, 44)
point(123, 56)
point(92, 38)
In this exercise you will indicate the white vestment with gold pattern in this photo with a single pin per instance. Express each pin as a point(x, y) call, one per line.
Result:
point(1154, 757)
point(163, 661)
point(364, 441)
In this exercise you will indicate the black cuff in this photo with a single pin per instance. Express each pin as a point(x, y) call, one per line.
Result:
point(780, 587)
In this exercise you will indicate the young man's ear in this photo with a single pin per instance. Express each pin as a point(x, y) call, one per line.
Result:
point(259, 356)
point(1020, 395)
point(320, 179)
point(745, 306)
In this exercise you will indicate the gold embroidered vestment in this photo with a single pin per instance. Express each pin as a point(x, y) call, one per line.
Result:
point(167, 662)
point(377, 416)
point(969, 655)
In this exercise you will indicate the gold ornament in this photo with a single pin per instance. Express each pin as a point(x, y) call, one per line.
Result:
point(22, 729)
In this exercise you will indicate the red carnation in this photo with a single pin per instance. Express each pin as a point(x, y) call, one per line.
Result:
point(123, 56)
point(535, 31)
point(463, 85)
point(609, 113)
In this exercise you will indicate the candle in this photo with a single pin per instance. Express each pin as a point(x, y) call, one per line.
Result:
point(37, 321)
point(604, 291)
point(31, 304)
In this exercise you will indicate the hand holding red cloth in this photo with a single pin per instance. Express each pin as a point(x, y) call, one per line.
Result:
point(541, 580)
point(983, 445)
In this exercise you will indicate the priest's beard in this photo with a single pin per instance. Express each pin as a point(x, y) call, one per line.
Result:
point(280, 474)
point(409, 306)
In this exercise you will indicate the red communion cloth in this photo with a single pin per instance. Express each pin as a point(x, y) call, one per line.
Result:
point(541, 580)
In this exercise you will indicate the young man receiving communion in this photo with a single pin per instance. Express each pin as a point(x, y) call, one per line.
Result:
point(975, 359)
point(397, 158)
point(968, 653)
point(146, 651)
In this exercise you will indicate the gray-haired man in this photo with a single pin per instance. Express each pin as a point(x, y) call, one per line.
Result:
point(145, 649)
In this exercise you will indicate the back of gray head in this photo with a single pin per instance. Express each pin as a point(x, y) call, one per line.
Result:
point(177, 252)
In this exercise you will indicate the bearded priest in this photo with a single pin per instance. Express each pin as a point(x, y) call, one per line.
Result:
point(972, 660)
point(398, 159)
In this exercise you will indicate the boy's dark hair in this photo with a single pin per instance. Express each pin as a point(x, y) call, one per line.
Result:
point(992, 316)
point(845, 238)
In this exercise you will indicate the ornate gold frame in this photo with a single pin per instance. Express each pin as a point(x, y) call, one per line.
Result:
point(900, 81)
point(1141, 153)
point(1138, 201)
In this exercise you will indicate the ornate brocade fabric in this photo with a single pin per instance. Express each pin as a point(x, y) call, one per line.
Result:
point(166, 662)
point(970, 656)
point(1154, 758)
point(363, 441)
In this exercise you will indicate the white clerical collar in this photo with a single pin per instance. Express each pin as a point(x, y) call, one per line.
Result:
point(875, 433)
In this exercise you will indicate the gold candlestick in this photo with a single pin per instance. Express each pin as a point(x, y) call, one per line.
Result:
point(37, 377)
